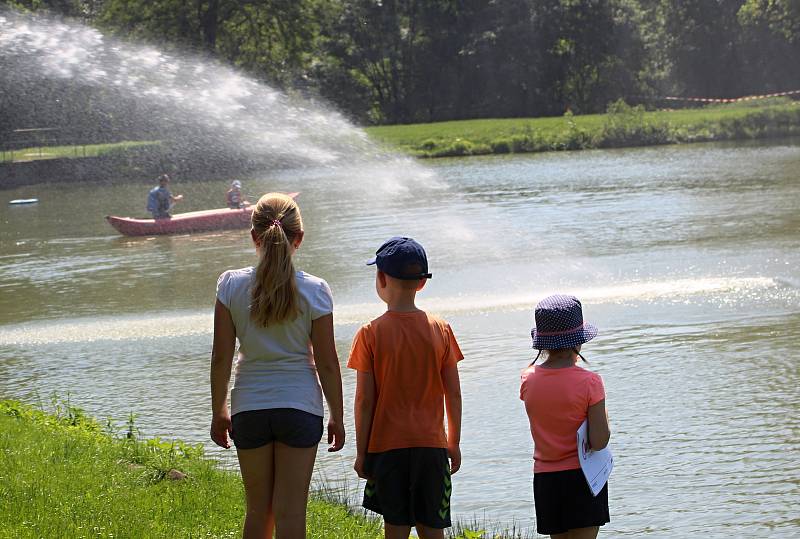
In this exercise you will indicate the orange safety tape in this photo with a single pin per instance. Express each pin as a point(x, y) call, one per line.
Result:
point(730, 100)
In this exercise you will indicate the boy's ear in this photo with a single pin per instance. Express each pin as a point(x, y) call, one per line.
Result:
point(381, 279)
point(421, 284)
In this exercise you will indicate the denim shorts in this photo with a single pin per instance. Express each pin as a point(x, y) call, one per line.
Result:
point(295, 428)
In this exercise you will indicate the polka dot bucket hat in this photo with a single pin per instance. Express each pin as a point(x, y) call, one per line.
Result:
point(559, 324)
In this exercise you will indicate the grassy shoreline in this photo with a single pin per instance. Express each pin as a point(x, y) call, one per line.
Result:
point(64, 474)
point(621, 126)
point(78, 151)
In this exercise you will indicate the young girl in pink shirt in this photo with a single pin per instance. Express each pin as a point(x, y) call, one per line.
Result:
point(559, 395)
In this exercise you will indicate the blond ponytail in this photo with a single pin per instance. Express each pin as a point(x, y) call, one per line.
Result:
point(276, 224)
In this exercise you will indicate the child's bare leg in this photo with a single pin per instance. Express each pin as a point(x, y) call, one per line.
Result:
point(392, 531)
point(293, 468)
point(429, 533)
point(583, 533)
point(257, 475)
point(564, 535)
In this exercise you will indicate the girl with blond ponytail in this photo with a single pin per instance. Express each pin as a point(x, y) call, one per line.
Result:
point(283, 320)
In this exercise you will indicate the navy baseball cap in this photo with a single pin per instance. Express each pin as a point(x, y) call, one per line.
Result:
point(402, 258)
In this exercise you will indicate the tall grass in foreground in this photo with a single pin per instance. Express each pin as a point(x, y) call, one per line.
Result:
point(64, 475)
point(621, 126)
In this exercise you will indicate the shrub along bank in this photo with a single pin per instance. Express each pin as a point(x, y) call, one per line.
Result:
point(621, 126)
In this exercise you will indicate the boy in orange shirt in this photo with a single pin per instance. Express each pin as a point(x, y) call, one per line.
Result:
point(407, 363)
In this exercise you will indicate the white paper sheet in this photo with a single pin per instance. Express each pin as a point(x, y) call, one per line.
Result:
point(596, 465)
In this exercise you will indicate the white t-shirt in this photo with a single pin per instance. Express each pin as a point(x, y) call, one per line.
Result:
point(275, 365)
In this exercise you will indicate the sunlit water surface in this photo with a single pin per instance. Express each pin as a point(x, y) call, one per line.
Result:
point(685, 257)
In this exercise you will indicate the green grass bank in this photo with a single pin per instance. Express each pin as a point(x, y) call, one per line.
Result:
point(36, 153)
point(621, 126)
point(63, 474)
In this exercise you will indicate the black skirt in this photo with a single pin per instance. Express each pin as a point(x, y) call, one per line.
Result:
point(564, 502)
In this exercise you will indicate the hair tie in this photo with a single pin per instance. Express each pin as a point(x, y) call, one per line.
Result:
point(276, 222)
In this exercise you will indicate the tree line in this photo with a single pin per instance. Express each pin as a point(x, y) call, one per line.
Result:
point(407, 61)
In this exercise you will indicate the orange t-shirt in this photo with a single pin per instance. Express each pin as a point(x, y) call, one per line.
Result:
point(406, 352)
point(557, 402)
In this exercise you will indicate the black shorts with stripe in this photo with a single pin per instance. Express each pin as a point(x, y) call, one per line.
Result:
point(410, 486)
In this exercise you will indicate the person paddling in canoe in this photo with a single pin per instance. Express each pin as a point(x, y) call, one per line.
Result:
point(234, 197)
point(160, 200)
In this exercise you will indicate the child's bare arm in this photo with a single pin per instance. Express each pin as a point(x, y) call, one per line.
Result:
point(452, 404)
point(221, 361)
point(599, 431)
point(364, 411)
point(330, 377)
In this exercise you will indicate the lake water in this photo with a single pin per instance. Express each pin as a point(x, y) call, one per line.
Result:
point(687, 258)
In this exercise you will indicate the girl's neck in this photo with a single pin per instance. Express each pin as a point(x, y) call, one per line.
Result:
point(561, 361)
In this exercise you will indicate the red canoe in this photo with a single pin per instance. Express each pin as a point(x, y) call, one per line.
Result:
point(184, 223)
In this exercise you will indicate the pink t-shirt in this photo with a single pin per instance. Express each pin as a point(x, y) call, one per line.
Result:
point(557, 401)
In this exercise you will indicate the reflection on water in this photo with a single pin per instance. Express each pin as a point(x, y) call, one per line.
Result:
point(686, 258)
point(188, 323)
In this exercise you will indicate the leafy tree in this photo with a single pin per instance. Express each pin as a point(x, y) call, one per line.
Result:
point(84, 9)
point(771, 40)
point(373, 40)
point(271, 39)
point(397, 61)
point(703, 46)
